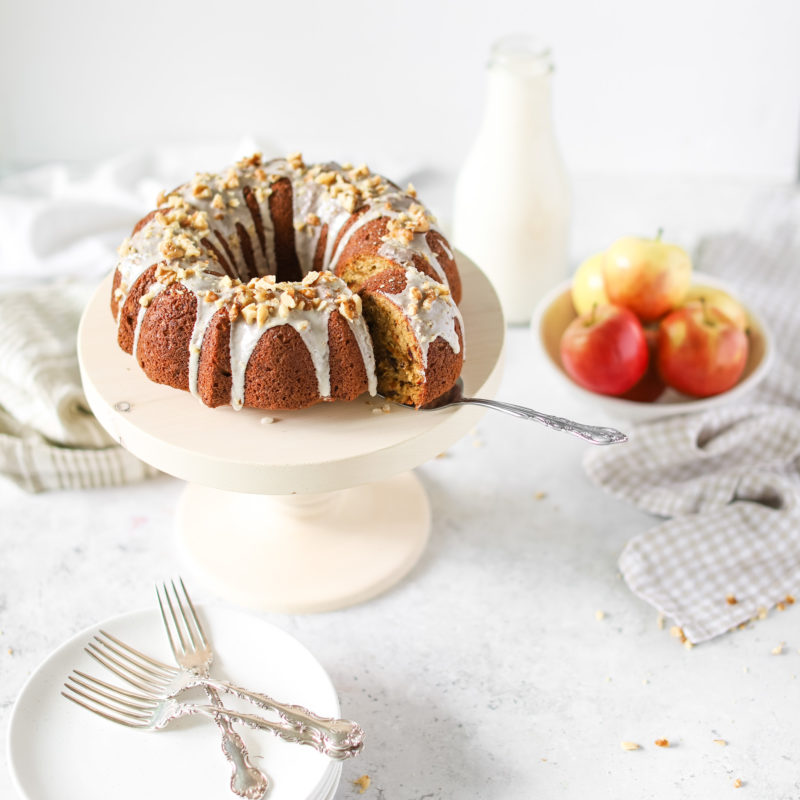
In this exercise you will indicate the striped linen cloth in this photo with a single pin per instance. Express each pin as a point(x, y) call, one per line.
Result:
point(48, 437)
point(728, 479)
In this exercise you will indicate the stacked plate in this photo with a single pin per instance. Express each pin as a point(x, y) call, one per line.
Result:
point(57, 749)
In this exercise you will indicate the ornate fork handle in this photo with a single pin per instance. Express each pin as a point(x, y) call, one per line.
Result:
point(246, 780)
point(590, 433)
point(296, 734)
point(337, 734)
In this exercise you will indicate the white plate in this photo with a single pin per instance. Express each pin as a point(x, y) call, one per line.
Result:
point(555, 311)
point(57, 750)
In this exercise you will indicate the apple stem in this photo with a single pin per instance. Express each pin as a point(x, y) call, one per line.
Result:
point(659, 234)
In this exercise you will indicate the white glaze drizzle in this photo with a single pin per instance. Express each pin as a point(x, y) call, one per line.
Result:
point(435, 322)
point(310, 199)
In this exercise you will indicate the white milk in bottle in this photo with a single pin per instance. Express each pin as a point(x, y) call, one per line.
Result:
point(512, 207)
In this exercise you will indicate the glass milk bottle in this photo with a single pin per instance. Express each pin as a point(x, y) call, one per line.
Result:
point(512, 208)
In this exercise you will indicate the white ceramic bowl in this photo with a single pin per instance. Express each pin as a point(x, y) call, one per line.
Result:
point(554, 313)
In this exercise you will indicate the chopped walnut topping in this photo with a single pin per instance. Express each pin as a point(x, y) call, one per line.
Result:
point(124, 248)
point(295, 160)
point(210, 297)
point(250, 161)
point(218, 202)
point(187, 244)
point(233, 312)
point(161, 199)
point(300, 226)
point(312, 219)
point(260, 175)
point(199, 220)
point(411, 190)
point(326, 178)
point(171, 249)
point(201, 190)
point(231, 179)
point(302, 325)
point(348, 309)
point(262, 315)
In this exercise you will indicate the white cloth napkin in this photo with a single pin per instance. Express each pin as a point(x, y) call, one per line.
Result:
point(729, 478)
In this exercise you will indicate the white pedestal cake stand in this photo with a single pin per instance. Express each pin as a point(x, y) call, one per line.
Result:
point(313, 511)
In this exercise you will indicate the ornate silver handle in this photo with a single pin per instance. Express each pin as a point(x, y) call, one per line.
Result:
point(340, 735)
point(246, 780)
point(590, 433)
point(297, 734)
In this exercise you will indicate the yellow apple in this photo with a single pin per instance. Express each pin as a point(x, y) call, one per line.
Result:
point(721, 300)
point(588, 288)
point(648, 276)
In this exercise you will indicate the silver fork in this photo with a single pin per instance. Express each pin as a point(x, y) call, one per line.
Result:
point(162, 681)
point(246, 780)
point(145, 712)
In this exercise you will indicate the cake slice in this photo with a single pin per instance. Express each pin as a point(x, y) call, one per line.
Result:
point(417, 335)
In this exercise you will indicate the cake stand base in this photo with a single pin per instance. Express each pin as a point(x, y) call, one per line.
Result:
point(304, 553)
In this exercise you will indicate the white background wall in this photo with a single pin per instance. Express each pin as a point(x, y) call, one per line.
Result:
point(702, 87)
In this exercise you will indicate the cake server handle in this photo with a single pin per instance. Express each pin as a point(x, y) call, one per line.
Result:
point(589, 433)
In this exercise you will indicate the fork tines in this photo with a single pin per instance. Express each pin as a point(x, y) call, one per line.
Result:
point(130, 668)
point(110, 702)
point(190, 634)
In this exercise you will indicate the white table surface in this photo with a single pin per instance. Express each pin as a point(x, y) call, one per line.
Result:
point(485, 674)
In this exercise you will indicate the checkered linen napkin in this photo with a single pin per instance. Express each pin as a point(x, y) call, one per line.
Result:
point(727, 479)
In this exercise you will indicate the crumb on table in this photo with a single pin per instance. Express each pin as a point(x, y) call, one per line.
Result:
point(630, 746)
point(362, 783)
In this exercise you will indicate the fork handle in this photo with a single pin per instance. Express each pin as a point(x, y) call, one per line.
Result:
point(313, 737)
point(246, 780)
point(338, 734)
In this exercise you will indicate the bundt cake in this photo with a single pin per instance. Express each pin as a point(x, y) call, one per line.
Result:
point(277, 285)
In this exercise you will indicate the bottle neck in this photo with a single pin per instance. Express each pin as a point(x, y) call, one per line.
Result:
point(518, 101)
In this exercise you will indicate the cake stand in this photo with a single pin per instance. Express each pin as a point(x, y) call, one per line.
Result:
point(291, 511)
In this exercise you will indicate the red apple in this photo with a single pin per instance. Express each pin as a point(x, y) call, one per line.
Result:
point(701, 351)
point(605, 350)
point(650, 387)
point(648, 276)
